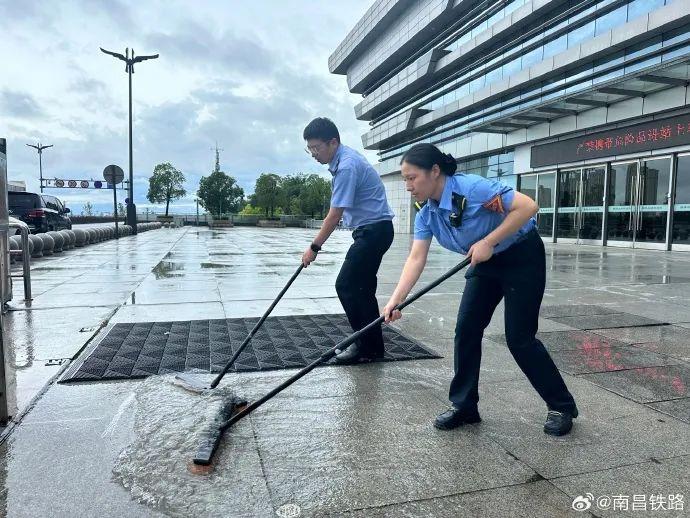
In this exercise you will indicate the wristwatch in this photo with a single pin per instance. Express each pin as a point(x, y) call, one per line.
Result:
point(315, 248)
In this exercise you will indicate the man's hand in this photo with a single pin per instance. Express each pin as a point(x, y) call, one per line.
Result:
point(388, 313)
point(481, 251)
point(308, 256)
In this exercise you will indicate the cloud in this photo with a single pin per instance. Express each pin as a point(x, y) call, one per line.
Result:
point(248, 78)
point(194, 45)
point(19, 105)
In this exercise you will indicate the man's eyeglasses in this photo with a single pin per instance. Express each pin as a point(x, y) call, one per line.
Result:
point(312, 150)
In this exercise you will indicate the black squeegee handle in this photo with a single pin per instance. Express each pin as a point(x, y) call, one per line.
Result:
point(251, 334)
point(342, 345)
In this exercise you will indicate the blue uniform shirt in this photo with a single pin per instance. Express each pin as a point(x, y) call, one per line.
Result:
point(486, 206)
point(357, 188)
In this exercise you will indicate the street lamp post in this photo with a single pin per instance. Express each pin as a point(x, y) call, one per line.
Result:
point(40, 149)
point(130, 61)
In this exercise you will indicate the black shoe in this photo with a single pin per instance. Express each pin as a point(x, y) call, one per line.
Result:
point(356, 354)
point(454, 417)
point(559, 423)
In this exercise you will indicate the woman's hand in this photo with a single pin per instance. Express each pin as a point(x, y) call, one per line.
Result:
point(481, 251)
point(388, 313)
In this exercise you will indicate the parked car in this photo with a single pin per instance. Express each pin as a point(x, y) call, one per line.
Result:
point(41, 212)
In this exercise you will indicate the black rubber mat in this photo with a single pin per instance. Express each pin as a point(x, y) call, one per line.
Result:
point(142, 349)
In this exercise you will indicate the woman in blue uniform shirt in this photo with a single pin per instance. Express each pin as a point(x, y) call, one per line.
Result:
point(495, 225)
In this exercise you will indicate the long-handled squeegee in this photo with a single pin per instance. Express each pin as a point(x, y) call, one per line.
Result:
point(191, 381)
point(210, 442)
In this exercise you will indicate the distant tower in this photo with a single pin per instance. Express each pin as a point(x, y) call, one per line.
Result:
point(217, 169)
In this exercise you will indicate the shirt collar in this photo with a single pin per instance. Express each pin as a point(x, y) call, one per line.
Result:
point(333, 164)
point(446, 197)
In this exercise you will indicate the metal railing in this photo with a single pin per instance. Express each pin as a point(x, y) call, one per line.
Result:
point(25, 253)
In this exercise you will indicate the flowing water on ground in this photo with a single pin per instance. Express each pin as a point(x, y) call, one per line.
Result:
point(167, 426)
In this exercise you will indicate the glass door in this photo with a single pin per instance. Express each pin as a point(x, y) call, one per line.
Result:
point(581, 205)
point(680, 233)
point(638, 203)
point(654, 193)
point(546, 194)
point(592, 205)
point(567, 221)
point(622, 181)
point(541, 187)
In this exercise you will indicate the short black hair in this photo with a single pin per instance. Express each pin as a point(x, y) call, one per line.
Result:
point(321, 128)
point(426, 155)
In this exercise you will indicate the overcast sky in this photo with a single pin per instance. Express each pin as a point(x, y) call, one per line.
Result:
point(248, 75)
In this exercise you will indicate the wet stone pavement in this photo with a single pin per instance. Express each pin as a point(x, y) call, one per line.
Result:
point(354, 440)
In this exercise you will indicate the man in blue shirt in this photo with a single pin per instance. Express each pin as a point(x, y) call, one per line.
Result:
point(359, 198)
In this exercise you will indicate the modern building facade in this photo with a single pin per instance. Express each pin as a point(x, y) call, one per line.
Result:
point(581, 104)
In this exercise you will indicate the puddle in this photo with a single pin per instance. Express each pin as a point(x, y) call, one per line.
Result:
point(660, 279)
point(168, 423)
point(166, 269)
point(216, 266)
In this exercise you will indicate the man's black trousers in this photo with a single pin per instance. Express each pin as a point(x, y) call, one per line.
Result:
point(356, 283)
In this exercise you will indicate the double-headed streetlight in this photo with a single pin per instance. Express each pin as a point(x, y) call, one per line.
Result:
point(38, 147)
point(130, 60)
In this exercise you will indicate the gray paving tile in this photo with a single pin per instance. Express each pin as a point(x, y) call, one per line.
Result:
point(569, 340)
point(365, 457)
point(607, 359)
point(648, 384)
point(610, 431)
point(673, 340)
point(678, 408)
point(619, 487)
point(575, 310)
point(534, 500)
point(606, 321)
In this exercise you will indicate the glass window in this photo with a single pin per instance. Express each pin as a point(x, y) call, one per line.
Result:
point(640, 7)
point(494, 75)
point(510, 181)
point(613, 59)
point(611, 19)
point(505, 168)
point(642, 64)
point(556, 27)
point(546, 191)
point(476, 84)
point(577, 36)
point(512, 67)
point(582, 13)
point(681, 51)
point(51, 202)
point(643, 48)
point(479, 28)
point(555, 46)
point(528, 186)
point(532, 57)
point(676, 36)
point(498, 15)
point(506, 157)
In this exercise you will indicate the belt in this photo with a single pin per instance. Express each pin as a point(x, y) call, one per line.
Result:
point(383, 221)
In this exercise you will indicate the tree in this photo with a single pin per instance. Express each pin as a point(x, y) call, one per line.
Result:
point(268, 194)
point(166, 184)
point(316, 195)
point(219, 193)
point(87, 210)
point(292, 187)
point(249, 210)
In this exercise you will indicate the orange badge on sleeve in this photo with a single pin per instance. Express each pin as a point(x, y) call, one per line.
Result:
point(495, 204)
